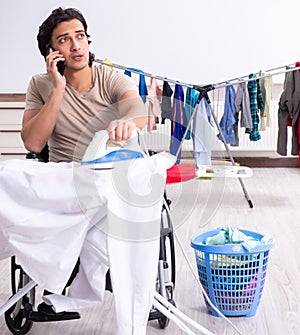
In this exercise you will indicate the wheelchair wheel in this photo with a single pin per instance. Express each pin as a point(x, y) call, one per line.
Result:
point(163, 321)
point(16, 317)
point(167, 269)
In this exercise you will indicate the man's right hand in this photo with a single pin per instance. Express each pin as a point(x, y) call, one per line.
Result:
point(52, 59)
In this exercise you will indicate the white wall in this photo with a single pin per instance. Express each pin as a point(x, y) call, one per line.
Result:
point(193, 41)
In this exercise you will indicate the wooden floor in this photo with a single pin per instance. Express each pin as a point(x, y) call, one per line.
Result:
point(199, 206)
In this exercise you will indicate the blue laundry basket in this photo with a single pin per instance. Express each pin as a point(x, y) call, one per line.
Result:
point(232, 277)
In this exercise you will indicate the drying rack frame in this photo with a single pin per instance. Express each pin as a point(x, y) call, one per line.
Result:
point(203, 93)
point(203, 90)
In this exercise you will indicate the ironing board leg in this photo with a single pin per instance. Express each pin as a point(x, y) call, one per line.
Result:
point(30, 285)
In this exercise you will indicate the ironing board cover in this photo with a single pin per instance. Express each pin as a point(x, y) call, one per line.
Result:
point(180, 172)
point(51, 214)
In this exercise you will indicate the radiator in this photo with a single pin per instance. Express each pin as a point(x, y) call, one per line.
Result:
point(160, 138)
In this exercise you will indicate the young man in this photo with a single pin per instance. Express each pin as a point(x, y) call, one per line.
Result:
point(73, 100)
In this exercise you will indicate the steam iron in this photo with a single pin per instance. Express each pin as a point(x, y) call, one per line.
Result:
point(100, 156)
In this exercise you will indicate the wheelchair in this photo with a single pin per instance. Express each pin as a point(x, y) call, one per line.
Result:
point(17, 316)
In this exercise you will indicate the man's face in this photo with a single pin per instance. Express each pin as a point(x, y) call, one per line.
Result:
point(69, 39)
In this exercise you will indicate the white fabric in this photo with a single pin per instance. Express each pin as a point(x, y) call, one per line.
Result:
point(203, 134)
point(53, 213)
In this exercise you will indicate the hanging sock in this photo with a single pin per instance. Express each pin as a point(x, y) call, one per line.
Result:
point(178, 121)
point(166, 102)
point(143, 91)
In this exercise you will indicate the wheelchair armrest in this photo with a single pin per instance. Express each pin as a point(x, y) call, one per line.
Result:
point(43, 156)
point(31, 155)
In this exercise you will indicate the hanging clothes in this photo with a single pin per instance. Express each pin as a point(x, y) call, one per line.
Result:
point(178, 121)
point(266, 85)
point(154, 108)
point(242, 104)
point(108, 63)
point(202, 134)
point(191, 98)
point(297, 131)
point(256, 104)
point(299, 141)
point(228, 119)
point(166, 102)
point(143, 91)
point(288, 113)
point(294, 101)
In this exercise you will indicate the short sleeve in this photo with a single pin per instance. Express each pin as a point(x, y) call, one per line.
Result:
point(34, 98)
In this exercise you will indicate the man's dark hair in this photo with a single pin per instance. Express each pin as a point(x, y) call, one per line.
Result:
point(57, 16)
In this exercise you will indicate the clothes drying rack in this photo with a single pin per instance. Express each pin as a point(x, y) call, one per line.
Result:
point(203, 90)
point(160, 302)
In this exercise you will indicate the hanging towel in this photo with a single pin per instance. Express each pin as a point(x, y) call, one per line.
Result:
point(143, 91)
point(256, 104)
point(202, 134)
point(154, 109)
point(178, 121)
point(191, 98)
point(228, 119)
point(166, 102)
point(266, 85)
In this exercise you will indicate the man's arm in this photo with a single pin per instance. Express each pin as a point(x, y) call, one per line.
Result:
point(38, 125)
point(133, 115)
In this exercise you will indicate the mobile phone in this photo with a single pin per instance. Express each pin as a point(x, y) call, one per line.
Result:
point(60, 65)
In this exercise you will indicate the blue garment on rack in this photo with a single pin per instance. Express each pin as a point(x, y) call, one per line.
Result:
point(178, 121)
point(229, 119)
point(143, 91)
point(191, 97)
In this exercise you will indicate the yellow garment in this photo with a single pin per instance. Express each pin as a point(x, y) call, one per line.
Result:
point(266, 85)
point(108, 61)
point(224, 261)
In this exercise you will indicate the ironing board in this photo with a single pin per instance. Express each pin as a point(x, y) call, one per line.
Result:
point(117, 228)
